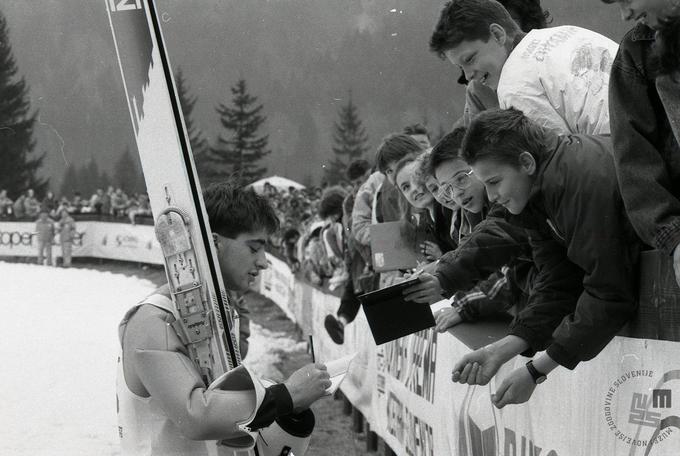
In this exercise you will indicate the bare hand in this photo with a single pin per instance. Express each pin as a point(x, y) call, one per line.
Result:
point(431, 250)
point(478, 367)
point(447, 318)
point(427, 291)
point(307, 384)
point(517, 388)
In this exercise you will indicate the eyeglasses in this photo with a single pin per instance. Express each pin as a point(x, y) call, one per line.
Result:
point(461, 180)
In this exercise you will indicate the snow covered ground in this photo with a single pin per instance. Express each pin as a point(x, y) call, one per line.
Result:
point(58, 349)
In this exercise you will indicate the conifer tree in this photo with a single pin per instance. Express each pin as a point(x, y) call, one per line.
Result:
point(19, 170)
point(127, 173)
point(199, 144)
point(238, 152)
point(350, 141)
point(69, 183)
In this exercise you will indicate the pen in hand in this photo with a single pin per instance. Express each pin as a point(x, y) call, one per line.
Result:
point(311, 348)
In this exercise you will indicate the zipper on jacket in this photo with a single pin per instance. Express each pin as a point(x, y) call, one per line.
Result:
point(554, 228)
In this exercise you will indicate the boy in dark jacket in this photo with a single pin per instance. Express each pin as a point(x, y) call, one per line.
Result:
point(563, 191)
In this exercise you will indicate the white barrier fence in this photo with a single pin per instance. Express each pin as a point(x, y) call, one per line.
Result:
point(610, 406)
point(117, 241)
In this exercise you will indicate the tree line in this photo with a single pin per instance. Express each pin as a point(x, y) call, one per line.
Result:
point(236, 153)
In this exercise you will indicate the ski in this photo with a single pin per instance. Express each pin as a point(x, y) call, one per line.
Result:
point(169, 171)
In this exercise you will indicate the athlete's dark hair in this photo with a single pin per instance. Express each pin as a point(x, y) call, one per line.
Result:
point(448, 148)
point(233, 210)
point(501, 135)
point(393, 148)
point(469, 20)
point(357, 168)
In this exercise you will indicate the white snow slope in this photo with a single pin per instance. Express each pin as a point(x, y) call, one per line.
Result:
point(58, 350)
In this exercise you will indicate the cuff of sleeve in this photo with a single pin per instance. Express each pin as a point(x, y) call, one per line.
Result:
point(277, 402)
point(446, 286)
point(282, 399)
point(535, 343)
point(562, 356)
point(668, 237)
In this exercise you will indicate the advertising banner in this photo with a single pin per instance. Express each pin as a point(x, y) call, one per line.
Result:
point(118, 241)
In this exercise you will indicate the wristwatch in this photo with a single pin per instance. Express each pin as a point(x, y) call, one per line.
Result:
point(538, 377)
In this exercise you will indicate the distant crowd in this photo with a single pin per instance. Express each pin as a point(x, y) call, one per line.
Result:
point(112, 203)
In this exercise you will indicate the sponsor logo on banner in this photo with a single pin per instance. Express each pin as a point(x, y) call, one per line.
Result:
point(127, 241)
point(411, 361)
point(412, 432)
point(26, 239)
point(641, 412)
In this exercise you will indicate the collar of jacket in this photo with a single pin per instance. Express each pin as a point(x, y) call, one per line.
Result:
point(642, 33)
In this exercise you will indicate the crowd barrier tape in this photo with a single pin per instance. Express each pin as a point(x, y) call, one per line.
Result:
point(116, 241)
point(625, 402)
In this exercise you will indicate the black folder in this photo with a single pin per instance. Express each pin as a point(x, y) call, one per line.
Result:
point(390, 317)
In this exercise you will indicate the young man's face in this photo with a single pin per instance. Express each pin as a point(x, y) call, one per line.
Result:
point(416, 195)
point(241, 259)
point(506, 185)
point(649, 12)
point(481, 61)
point(471, 197)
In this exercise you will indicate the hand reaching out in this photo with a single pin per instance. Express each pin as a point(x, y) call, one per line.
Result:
point(517, 388)
point(478, 367)
point(446, 318)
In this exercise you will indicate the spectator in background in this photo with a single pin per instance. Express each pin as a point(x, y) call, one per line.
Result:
point(67, 232)
point(19, 210)
point(5, 204)
point(49, 203)
point(119, 203)
point(357, 259)
point(76, 206)
point(64, 206)
point(142, 209)
point(44, 228)
point(106, 201)
point(330, 211)
point(419, 133)
point(290, 239)
point(96, 201)
point(31, 204)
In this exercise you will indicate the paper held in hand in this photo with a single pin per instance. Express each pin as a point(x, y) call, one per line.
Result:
point(337, 370)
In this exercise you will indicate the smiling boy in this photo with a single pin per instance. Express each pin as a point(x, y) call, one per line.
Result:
point(563, 191)
point(557, 76)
